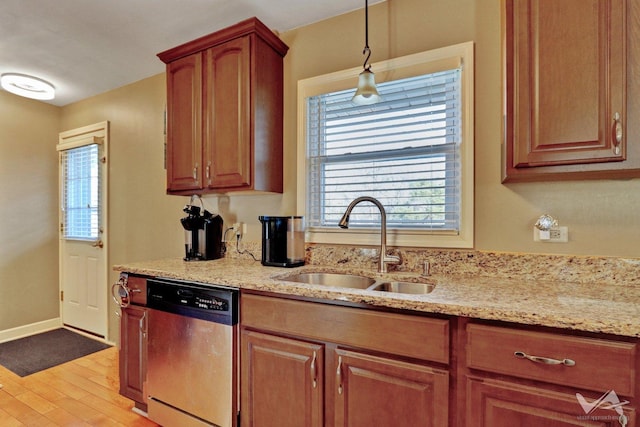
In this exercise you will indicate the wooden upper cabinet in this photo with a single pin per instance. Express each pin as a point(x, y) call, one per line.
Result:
point(184, 118)
point(227, 100)
point(224, 111)
point(565, 103)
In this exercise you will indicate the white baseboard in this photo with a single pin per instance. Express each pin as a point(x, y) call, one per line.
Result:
point(31, 329)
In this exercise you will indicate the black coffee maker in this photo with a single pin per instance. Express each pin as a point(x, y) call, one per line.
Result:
point(203, 233)
point(282, 241)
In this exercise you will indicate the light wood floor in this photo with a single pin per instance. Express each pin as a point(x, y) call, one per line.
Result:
point(83, 392)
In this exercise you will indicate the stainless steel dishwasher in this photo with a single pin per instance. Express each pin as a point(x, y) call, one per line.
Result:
point(192, 376)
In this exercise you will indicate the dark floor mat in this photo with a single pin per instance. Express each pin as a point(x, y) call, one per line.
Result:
point(28, 355)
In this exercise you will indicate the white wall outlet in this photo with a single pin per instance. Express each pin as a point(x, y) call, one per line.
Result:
point(238, 229)
point(553, 235)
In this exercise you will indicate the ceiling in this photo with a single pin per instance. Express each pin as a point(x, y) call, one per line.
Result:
point(87, 47)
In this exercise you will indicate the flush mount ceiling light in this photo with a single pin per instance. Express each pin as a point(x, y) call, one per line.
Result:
point(27, 86)
point(366, 93)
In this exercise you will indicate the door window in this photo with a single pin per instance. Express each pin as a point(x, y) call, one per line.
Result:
point(81, 204)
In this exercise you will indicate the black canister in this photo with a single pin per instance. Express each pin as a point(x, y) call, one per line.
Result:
point(282, 241)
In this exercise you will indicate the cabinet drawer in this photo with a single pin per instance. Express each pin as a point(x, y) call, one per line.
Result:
point(402, 334)
point(138, 289)
point(600, 364)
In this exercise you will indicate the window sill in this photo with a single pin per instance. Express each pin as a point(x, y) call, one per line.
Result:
point(395, 238)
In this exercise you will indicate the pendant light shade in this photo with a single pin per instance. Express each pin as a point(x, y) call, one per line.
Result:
point(366, 93)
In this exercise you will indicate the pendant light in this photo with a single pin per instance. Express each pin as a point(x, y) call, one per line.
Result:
point(366, 93)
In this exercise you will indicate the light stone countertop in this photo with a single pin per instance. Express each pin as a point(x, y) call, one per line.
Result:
point(594, 307)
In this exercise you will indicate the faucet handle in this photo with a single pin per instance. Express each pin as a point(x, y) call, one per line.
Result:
point(388, 259)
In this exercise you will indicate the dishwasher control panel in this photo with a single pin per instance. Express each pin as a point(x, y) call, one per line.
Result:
point(194, 300)
point(207, 302)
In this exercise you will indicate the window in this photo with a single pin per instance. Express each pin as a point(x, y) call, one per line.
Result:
point(413, 152)
point(81, 192)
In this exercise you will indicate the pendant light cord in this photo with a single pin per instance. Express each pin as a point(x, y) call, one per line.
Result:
point(366, 50)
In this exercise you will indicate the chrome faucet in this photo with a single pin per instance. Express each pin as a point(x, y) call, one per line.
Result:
point(384, 259)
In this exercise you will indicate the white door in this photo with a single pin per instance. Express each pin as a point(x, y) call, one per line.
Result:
point(83, 237)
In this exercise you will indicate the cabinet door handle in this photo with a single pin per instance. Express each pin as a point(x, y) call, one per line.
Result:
point(195, 172)
point(143, 324)
point(339, 375)
point(208, 172)
point(544, 360)
point(617, 133)
point(314, 377)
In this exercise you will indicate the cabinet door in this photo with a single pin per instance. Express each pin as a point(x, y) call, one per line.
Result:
point(493, 403)
point(565, 70)
point(133, 352)
point(184, 124)
point(282, 383)
point(375, 391)
point(228, 150)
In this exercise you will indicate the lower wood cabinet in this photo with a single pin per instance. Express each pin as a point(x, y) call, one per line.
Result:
point(311, 372)
point(521, 377)
point(132, 298)
point(286, 384)
point(311, 364)
point(495, 403)
point(133, 354)
point(380, 391)
point(281, 382)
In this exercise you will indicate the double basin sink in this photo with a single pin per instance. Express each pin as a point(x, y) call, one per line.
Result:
point(352, 281)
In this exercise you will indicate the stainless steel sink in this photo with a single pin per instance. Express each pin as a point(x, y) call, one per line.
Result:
point(333, 279)
point(404, 287)
point(352, 281)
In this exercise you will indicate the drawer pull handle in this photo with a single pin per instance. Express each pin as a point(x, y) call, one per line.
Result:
point(545, 360)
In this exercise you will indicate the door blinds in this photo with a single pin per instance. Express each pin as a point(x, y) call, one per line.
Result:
point(404, 151)
point(81, 202)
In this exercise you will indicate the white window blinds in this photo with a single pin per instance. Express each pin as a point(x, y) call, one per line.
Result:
point(404, 151)
point(81, 175)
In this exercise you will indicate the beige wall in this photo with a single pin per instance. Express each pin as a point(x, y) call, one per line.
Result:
point(602, 216)
point(28, 211)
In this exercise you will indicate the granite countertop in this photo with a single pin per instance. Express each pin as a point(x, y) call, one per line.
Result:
point(604, 307)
